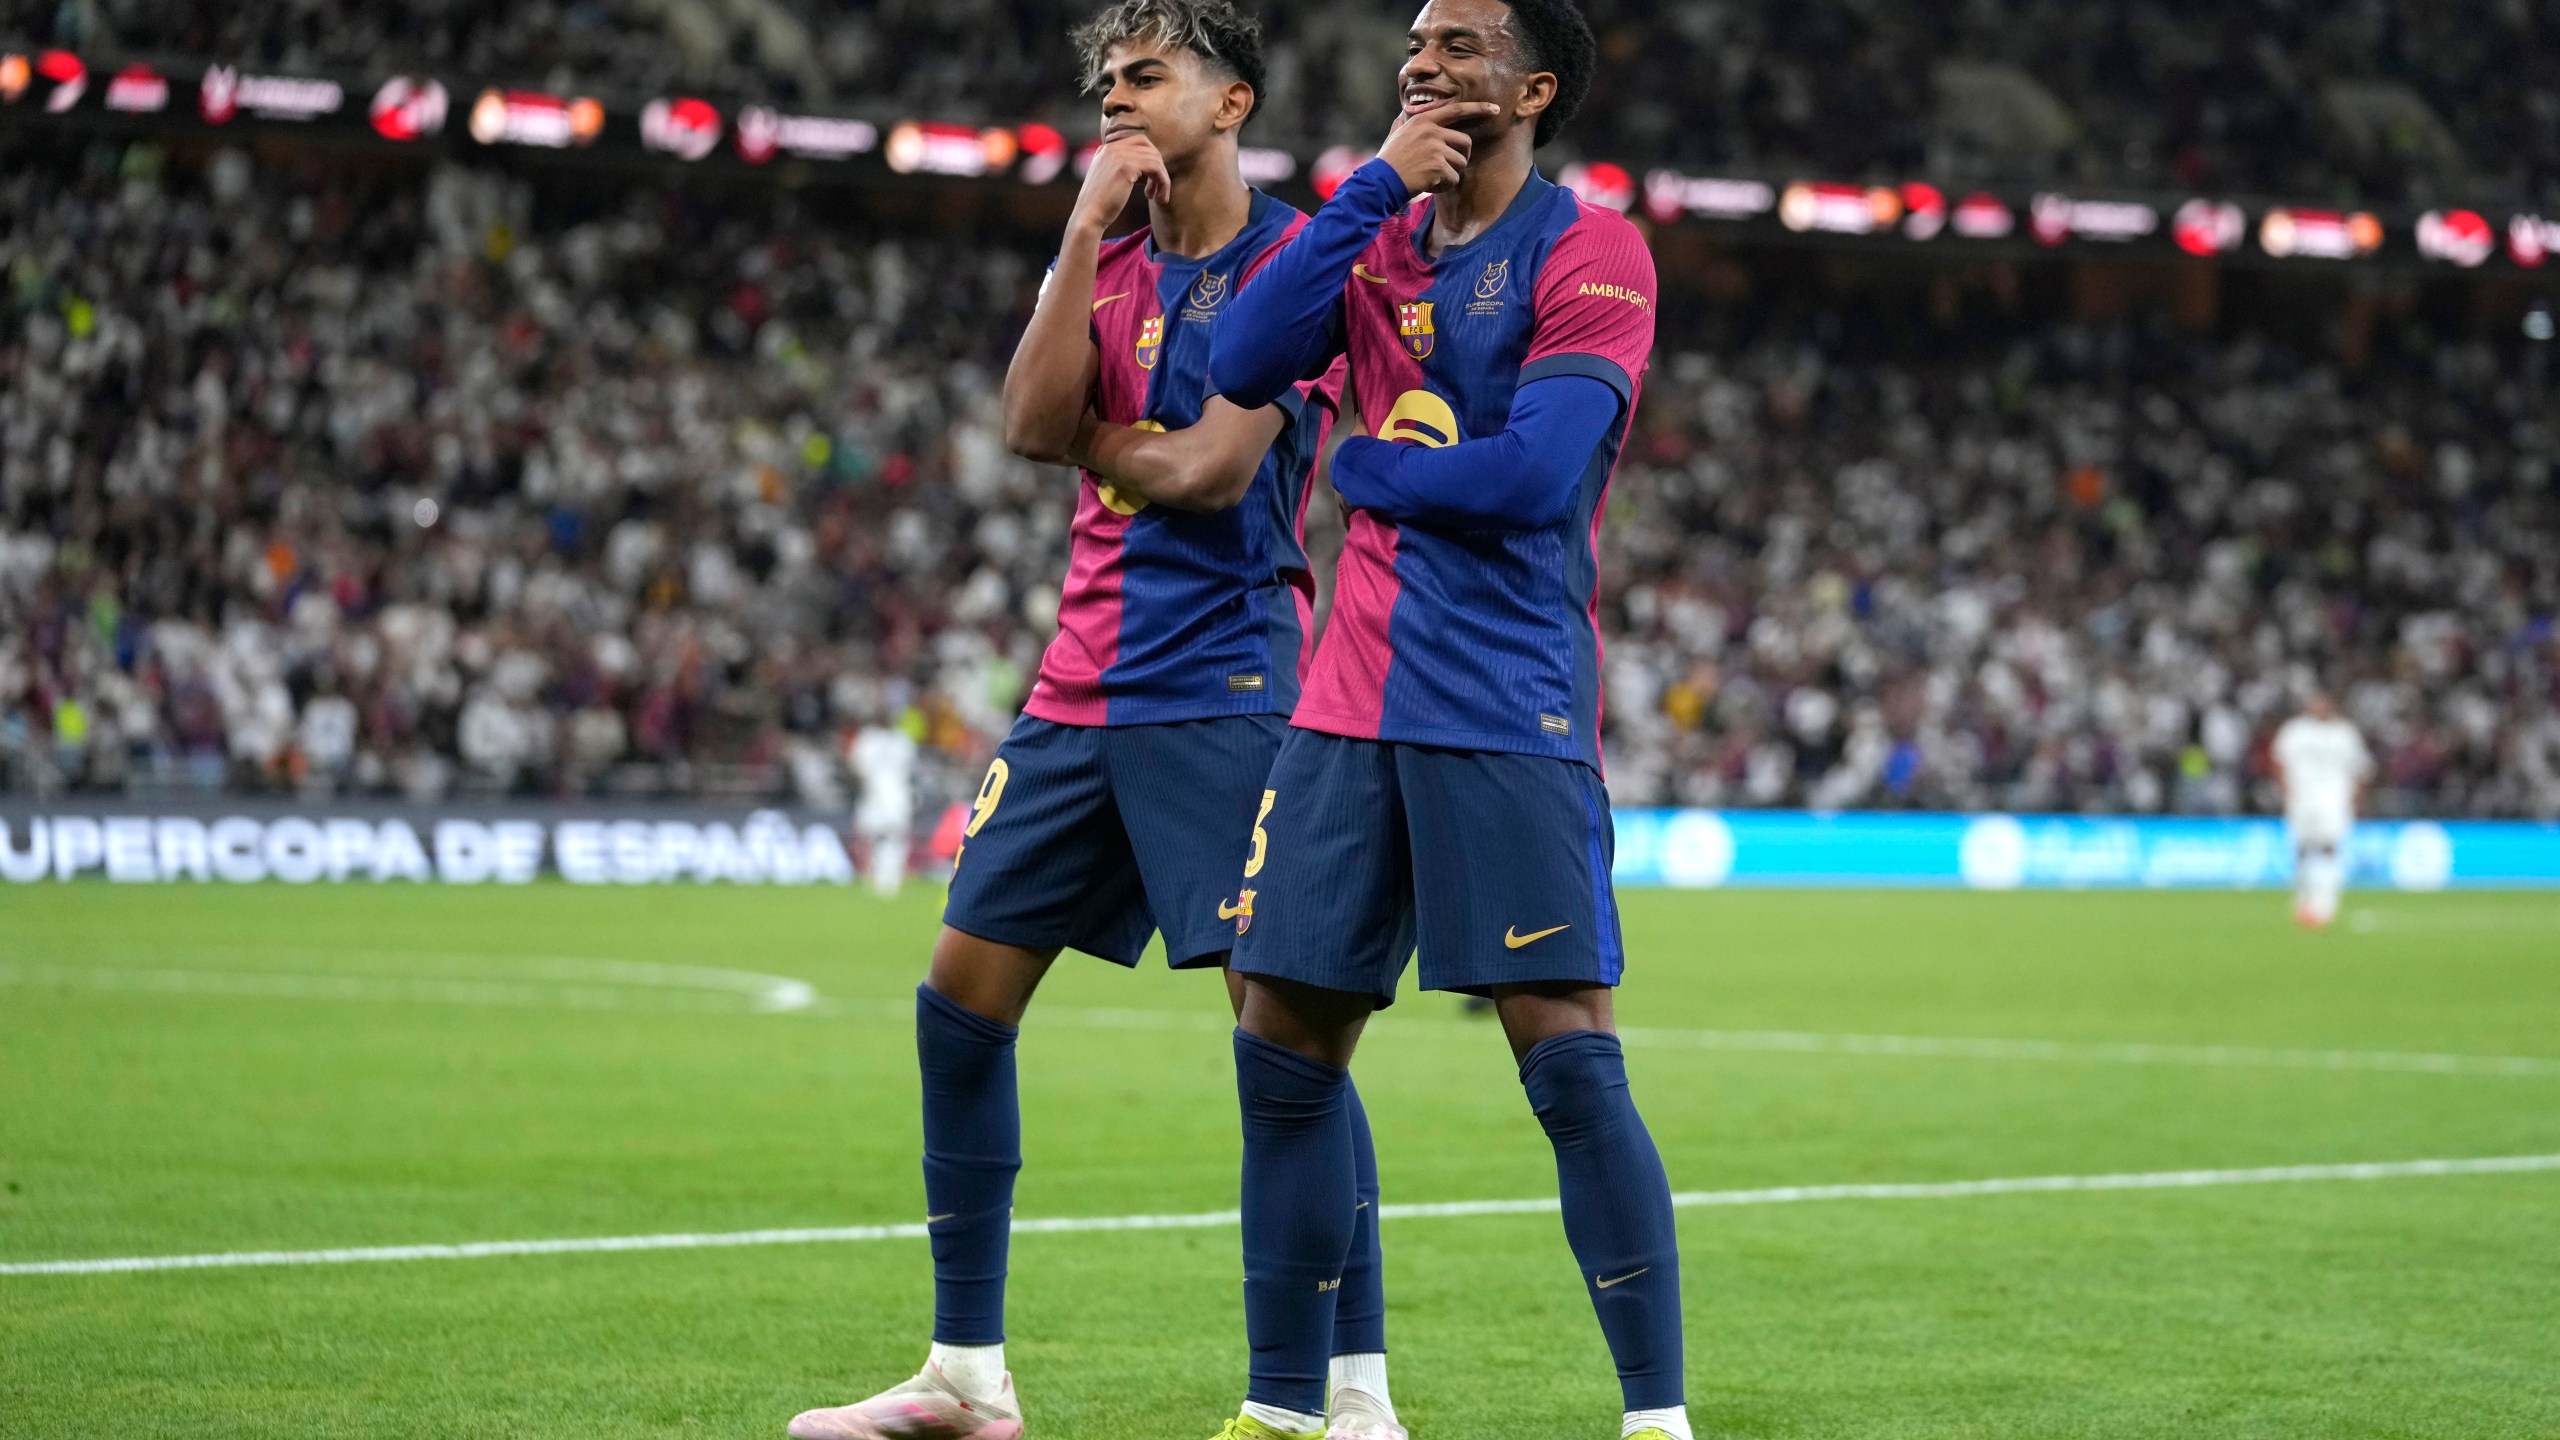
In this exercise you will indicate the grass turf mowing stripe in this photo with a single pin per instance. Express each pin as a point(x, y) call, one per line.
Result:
point(577, 984)
point(1210, 1219)
point(1920, 1047)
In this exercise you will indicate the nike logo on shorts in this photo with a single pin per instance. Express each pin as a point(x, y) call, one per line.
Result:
point(1512, 939)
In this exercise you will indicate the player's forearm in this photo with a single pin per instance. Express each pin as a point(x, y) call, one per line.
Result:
point(1522, 479)
point(1205, 467)
point(1280, 327)
point(1045, 387)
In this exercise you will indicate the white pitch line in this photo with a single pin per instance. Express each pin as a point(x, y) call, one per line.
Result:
point(544, 982)
point(1213, 1219)
point(1949, 1047)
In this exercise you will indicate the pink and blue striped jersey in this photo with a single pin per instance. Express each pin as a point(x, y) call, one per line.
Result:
point(1170, 615)
point(1484, 640)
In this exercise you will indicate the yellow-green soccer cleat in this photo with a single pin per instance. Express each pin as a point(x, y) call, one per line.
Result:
point(1245, 1427)
point(1650, 1433)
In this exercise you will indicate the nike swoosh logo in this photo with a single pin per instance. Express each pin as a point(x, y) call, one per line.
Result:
point(1363, 1205)
point(1229, 912)
point(1107, 299)
point(937, 1219)
point(1512, 939)
point(1621, 1280)
point(1363, 272)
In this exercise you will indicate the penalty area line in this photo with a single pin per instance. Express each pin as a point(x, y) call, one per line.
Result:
point(1213, 1219)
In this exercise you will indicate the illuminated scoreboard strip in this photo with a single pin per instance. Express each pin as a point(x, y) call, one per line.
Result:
point(121, 94)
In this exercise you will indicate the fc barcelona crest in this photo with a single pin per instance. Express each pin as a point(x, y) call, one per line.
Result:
point(1150, 340)
point(1413, 322)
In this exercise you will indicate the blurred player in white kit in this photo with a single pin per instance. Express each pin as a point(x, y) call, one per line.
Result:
point(884, 759)
point(2323, 766)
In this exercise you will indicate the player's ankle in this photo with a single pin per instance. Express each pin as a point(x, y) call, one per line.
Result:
point(976, 1371)
point(1672, 1421)
point(1287, 1422)
point(1365, 1372)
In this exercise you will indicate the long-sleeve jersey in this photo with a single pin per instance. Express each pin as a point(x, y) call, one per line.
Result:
point(1172, 615)
point(1462, 617)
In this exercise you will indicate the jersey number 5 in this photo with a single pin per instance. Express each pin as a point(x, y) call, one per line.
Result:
point(1261, 838)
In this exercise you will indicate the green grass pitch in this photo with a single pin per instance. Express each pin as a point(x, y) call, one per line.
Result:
point(189, 1070)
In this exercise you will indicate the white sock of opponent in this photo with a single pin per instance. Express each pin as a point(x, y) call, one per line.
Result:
point(2333, 885)
point(2320, 874)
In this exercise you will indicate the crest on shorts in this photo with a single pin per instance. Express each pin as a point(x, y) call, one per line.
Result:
point(1150, 340)
point(1413, 322)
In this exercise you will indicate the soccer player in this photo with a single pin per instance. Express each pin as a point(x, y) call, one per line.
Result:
point(1442, 780)
point(2323, 767)
point(883, 755)
point(1121, 804)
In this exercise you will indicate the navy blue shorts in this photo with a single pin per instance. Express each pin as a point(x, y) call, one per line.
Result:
point(1094, 837)
point(1497, 864)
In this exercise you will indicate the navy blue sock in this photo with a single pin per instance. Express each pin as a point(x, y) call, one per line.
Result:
point(1617, 1207)
point(1298, 1181)
point(972, 1150)
point(1360, 1306)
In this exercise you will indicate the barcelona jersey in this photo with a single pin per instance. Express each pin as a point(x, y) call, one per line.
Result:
point(1481, 640)
point(1171, 615)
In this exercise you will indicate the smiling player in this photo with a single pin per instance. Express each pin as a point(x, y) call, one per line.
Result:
point(1122, 803)
point(1442, 780)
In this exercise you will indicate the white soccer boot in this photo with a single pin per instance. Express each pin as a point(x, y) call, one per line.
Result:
point(929, 1407)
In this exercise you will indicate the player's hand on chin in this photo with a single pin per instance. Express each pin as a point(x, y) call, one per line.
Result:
point(1124, 162)
point(1426, 147)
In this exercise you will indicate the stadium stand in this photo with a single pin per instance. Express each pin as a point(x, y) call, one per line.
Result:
point(396, 482)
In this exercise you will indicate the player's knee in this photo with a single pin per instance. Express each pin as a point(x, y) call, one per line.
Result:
point(1535, 1013)
point(1320, 1024)
point(985, 978)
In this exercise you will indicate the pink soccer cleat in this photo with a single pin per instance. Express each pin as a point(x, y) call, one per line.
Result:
point(929, 1407)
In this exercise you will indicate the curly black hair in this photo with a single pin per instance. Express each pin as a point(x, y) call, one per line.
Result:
point(1554, 37)
point(1224, 37)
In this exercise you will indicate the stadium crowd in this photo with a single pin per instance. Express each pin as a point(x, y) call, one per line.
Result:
point(401, 484)
point(2268, 96)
